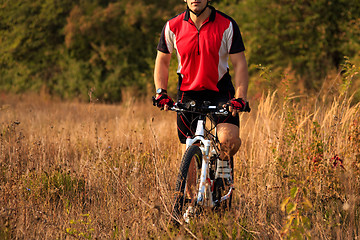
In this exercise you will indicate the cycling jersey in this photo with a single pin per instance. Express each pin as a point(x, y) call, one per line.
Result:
point(202, 54)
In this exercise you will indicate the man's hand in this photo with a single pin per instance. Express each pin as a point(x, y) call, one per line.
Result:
point(237, 105)
point(163, 101)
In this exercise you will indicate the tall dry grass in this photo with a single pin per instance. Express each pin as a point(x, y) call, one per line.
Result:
point(91, 171)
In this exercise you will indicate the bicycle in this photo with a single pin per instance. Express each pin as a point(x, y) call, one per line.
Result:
point(197, 186)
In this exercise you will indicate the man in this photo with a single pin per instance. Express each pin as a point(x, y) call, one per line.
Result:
point(204, 39)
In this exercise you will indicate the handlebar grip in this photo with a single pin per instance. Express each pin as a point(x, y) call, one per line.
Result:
point(153, 100)
point(247, 107)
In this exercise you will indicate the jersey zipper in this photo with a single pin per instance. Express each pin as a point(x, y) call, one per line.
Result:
point(198, 34)
point(199, 41)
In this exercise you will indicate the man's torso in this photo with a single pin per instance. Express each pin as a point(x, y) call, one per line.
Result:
point(202, 54)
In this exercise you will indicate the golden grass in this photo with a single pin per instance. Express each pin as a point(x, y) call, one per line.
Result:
point(92, 171)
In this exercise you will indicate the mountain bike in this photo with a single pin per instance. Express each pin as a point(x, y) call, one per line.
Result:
point(197, 186)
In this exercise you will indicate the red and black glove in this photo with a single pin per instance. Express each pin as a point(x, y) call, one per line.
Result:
point(239, 104)
point(161, 100)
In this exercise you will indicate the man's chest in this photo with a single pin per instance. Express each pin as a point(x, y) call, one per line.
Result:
point(206, 40)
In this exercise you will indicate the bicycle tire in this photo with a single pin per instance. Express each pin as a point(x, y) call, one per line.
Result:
point(183, 200)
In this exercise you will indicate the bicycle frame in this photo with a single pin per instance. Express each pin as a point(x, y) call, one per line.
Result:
point(204, 196)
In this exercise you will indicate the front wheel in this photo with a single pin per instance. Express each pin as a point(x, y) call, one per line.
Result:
point(187, 183)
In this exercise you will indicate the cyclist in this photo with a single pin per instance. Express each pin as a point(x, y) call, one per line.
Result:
point(204, 38)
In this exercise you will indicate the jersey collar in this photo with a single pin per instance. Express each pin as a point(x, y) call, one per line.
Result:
point(211, 18)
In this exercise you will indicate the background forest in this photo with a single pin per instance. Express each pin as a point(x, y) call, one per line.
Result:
point(69, 48)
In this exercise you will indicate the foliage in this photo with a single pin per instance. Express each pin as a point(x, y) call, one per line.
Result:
point(81, 228)
point(297, 224)
point(307, 35)
point(73, 46)
point(67, 48)
point(31, 37)
point(311, 37)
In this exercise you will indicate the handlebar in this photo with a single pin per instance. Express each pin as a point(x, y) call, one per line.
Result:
point(202, 109)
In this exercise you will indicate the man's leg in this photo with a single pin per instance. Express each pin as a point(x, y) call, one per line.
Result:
point(230, 142)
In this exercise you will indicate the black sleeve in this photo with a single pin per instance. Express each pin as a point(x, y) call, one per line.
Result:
point(237, 44)
point(162, 47)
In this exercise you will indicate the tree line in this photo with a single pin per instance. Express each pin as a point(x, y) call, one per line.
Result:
point(71, 47)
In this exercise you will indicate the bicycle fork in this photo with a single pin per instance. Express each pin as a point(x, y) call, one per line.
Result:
point(204, 196)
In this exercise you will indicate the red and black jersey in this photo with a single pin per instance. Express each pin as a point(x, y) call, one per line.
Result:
point(202, 54)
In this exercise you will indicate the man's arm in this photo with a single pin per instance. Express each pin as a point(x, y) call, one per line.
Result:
point(161, 74)
point(241, 75)
point(241, 78)
point(161, 71)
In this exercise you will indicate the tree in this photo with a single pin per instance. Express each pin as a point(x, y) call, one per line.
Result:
point(309, 36)
point(30, 36)
point(116, 44)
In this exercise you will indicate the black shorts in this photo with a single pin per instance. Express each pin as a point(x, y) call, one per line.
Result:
point(186, 122)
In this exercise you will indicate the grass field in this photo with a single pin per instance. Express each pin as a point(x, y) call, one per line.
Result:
point(72, 170)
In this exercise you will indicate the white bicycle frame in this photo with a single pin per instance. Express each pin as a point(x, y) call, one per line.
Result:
point(204, 197)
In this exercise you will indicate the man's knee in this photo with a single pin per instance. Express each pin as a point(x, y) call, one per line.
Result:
point(230, 145)
point(229, 139)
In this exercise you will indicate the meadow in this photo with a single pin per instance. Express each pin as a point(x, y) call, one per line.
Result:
point(72, 170)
